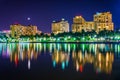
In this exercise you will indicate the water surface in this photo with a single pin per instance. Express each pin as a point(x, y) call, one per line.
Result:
point(60, 61)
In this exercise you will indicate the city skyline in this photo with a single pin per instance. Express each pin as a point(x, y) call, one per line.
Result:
point(42, 13)
point(60, 39)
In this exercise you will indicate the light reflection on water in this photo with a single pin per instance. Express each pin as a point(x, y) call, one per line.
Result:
point(101, 56)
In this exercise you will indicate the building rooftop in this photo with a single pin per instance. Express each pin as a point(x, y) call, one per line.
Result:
point(59, 21)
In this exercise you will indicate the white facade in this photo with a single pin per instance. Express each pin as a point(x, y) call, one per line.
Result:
point(60, 26)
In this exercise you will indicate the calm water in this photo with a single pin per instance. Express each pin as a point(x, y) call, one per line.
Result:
point(59, 61)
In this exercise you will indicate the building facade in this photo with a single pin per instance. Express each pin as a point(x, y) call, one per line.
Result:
point(80, 24)
point(60, 26)
point(17, 30)
point(101, 21)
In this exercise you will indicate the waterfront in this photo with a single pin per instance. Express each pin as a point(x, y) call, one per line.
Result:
point(60, 61)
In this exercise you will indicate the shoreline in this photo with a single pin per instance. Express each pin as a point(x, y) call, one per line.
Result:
point(105, 42)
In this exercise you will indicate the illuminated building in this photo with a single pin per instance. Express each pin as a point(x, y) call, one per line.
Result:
point(101, 21)
point(5, 33)
point(60, 26)
point(39, 32)
point(89, 26)
point(48, 34)
point(18, 30)
point(80, 24)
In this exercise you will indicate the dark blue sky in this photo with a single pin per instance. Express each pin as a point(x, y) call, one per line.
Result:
point(42, 13)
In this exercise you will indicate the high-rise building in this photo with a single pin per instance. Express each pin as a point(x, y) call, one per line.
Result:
point(60, 26)
point(101, 21)
point(80, 24)
point(17, 30)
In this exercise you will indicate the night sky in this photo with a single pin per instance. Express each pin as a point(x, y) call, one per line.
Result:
point(42, 13)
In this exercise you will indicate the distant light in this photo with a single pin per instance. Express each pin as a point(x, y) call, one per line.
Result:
point(63, 19)
point(95, 35)
point(53, 21)
point(78, 16)
point(28, 18)
point(58, 39)
point(83, 38)
point(97, 13)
